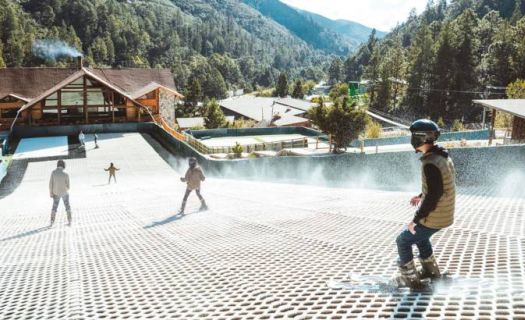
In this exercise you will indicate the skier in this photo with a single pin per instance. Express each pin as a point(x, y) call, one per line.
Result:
point(112, 172)
point(95, 137)
point(436, 210)
point(59, 189)
point(81, 139)
point(193, 179)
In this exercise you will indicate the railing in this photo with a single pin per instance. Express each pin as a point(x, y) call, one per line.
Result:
point(267, 146)
point(162, 123)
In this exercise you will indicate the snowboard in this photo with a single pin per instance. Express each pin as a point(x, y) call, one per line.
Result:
point(384, 283)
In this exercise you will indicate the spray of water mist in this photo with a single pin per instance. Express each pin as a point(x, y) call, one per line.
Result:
point(49, 49)
point(511, 184)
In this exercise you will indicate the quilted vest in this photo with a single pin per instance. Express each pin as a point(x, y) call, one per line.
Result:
point(443, 215)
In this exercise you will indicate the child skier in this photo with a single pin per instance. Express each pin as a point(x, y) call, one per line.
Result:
point(112, 172)
point(436, 210)
point(193, 179)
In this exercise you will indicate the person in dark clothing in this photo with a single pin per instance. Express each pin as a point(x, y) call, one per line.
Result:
point(436, 206)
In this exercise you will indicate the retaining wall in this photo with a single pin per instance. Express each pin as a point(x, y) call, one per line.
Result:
point(448, 136)
point(399, 170)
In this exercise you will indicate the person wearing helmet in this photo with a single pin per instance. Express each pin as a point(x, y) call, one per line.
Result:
point(193, 179)
point(436, 206)
point(59, 189)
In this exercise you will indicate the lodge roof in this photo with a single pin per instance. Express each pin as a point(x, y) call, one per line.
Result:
point(265, 108)
point(30, 83)
point(515, 107)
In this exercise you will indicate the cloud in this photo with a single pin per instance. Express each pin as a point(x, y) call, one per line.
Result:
point(380, 14)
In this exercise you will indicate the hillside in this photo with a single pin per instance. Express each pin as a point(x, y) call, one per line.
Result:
point(434, 64)
point(353, 32)
point(306, 28)
point(221, 43)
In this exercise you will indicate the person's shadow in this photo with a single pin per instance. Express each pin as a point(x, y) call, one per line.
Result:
point(26, 234)
point(166, 221)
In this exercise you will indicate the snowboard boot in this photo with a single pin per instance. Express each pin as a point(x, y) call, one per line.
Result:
point(69, 218)
point(53, 216)
point(203, 207)
point(429, 268)
point(408, 276)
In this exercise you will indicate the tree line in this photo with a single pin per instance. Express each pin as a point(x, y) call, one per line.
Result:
point(221, 45)
point(434, 64)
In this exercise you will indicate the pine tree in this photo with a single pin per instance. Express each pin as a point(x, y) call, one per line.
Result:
point(298, 90)
point(213, 116)
point(281, 89)
point(344, 121)
point(215, 85)
point(465, 77)
point(195, 93)
point(442, 75)
point(335, 72)
point(500, 57)
point(372, 73)
point(419, 73)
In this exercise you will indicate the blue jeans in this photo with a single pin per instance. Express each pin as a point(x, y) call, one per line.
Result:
point(421, 239)
point(56, 200)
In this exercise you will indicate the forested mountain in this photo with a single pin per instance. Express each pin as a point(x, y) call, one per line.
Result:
point(435, 63)
point(305, 27)
point(353, 32)
point(220, 43)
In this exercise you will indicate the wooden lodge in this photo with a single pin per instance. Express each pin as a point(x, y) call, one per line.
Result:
point(83, 95)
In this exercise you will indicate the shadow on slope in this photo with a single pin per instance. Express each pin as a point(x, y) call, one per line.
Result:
point(17, 169)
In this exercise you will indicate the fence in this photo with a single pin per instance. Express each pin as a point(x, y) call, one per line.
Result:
point(169, 129)
point(266, 146)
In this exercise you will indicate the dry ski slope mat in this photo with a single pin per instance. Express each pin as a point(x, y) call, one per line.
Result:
point(262, 251)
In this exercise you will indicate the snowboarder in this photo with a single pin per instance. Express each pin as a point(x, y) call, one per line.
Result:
point(193, 179)
point(112, 172)
point(81, 139)
point(59, 189)
point(436, 206)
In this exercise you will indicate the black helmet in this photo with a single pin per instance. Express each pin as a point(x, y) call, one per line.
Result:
point(61, 164)
point(424, 131)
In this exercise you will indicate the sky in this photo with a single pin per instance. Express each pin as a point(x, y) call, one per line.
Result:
point(380, 14)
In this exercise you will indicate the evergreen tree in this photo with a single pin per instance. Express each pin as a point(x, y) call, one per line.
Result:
point(281, 89)
point(298, 92)
point(194, 95)
point(344, 121)
point(418, 75)
point(373, 73)
point(442, 75)
point(213, 116)
point(215, 85)
point(465, 78)
point(335, 72)
point(499, 58)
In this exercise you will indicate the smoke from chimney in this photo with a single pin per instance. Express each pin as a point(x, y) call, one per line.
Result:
point(48, 49)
